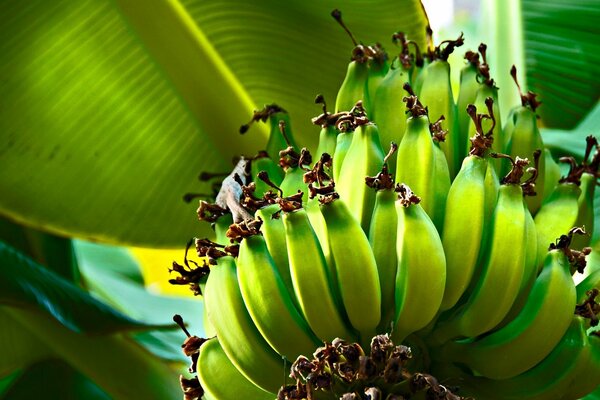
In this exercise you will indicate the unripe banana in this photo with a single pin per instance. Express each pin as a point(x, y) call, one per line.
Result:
point(274, 235)
point(269, 302)
point(523, 138)
point(421, 275)
point(436, 93)
point(356, 268)
point(466, 95)
point(557, 215)
point(549, 379)
point(484, 307)
point(463, 223)
point(262, 162)
point(239, 337)
point(277, 139)
point(378, 68)
point(220, 379)
point(389, 114)
point(526, 338)
point(382, 237)
point(552, 175)
point(417, 166)
point(318, 295)
point(363, 159)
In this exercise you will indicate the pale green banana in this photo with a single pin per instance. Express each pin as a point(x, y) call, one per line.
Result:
point(484, 306)
point(557, 215)
point(356, 268)
point(463, 227)
point(242, 342)
point(526, 338)
point(417, 166)
point(318, 296)
point(363, 159)
point(382, 237)
point(269, 303)
point(466, 95)
point(220, 379)
point(421, 275)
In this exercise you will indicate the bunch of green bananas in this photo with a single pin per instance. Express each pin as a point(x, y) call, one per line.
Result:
point(463, 241)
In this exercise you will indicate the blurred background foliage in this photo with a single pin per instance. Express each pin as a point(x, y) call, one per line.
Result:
point(109, 109)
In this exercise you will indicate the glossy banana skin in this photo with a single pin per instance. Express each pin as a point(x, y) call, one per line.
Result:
point(436, 94)
point(389, 114)
point(466, 95)
point(343, 142)
point(356, 268)
point(353, 87)
point(557, 215)
point(242, 342)
point(421, 275)
point(269, 303)
point(306, 258)
point(327, 140)
point(274, 235)
point(551, 176)
point(484, 307)
point(378, 70)
point(416, 165)
point(550, 379)
point(364, 158)
point(265, 164)
point(463, 227)
point(220, 379)
point(585, 214)
point(382, 237)
point(526, 338)
point(523, 138)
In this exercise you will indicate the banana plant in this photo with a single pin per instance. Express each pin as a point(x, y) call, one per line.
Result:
point(111, 109)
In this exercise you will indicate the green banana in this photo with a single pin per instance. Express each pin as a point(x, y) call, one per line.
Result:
point(277, 139)
point(389, 111)
point(526, 338)
point(581, 384)
point(307, 260)
point(342, 144)
point(269, 302)
point(464, 223)
point(239, 337)
point(589, 177)
point(356, 268)
point(558, 213)
point(416, 162)
point(436, 93)
point(523, 138)
point(329, 132)
point(220, 379)
point(549, 379)
point(466, 95)
point(552, 176)
point(364, 158)
point(382, 237)
point(354, 86)
point(488, 90)
point(483, 307)
point(293, 164)
point(274, 235)
point(378, 68)
point(262, 162)
point(421, 275)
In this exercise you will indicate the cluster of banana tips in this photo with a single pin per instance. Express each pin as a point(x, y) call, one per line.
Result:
point(381, 375)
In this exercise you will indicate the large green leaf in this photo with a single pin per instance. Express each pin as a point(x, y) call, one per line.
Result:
point(108, 110)
point(24, 283)
point(555, 46)
point(114, 362)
